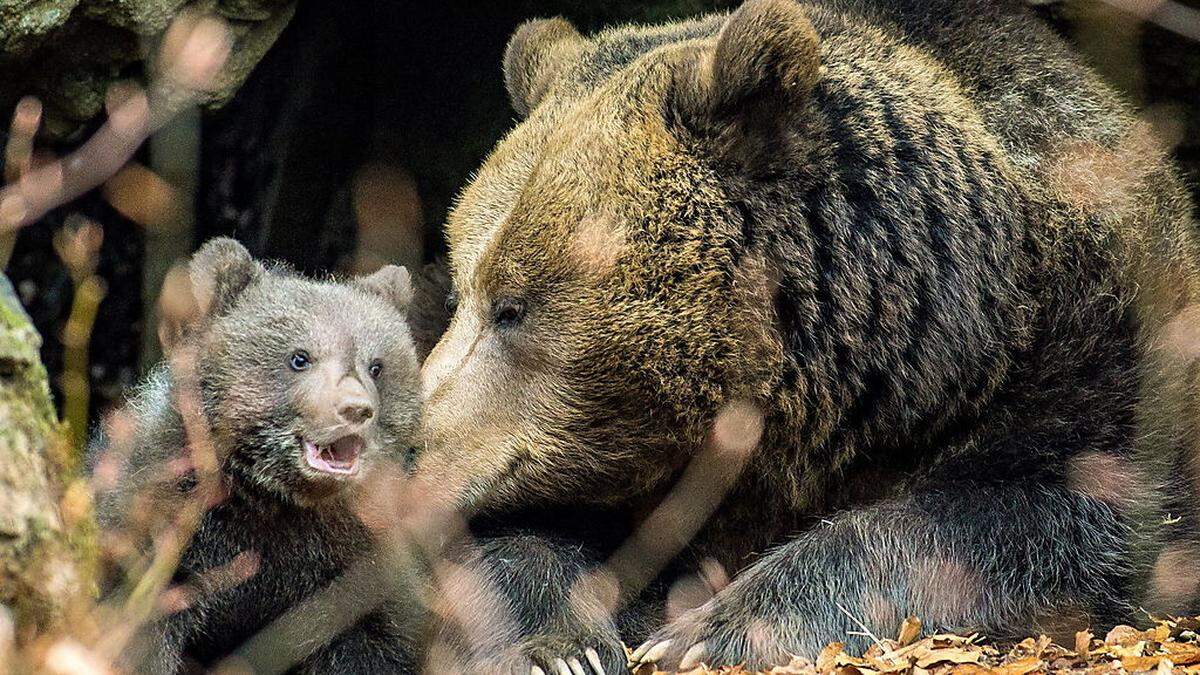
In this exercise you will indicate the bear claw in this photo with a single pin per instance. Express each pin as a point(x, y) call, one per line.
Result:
point(593, 657)
point(649, 652)
point(691, 658)
point(589, 664)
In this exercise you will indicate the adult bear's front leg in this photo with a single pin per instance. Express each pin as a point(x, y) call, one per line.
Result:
point(993, 558)
point(521, 605)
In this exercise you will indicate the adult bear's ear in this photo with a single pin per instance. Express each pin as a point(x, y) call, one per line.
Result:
point(220, 271)
point(745, 91)
point(536, 54)
point(392, 283)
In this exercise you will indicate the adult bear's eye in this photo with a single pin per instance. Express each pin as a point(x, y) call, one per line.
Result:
point(508, 312)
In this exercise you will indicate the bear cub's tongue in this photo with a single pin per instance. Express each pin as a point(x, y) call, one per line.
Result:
point(339, 457)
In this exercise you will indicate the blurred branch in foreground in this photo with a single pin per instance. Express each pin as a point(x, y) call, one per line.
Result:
point(47, 543)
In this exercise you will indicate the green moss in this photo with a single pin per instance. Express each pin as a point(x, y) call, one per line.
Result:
point(25, 384)
point(42, 548)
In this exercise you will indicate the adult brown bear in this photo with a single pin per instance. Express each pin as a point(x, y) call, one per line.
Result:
point(945, 264)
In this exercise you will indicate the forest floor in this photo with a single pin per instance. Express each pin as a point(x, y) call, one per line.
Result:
point(1172, 646)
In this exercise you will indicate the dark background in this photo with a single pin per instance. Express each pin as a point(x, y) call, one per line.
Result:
point(415, 91)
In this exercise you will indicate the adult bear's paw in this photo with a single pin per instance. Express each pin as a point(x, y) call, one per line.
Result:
point(555, 655)
point(526, 604)
point(548, 654)
point(732, 629)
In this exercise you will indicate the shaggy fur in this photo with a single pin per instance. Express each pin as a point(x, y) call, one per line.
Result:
point(297, 524)
point(926, 243)
point(519, 605)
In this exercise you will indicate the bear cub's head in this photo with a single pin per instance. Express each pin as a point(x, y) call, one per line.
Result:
point(305, 385)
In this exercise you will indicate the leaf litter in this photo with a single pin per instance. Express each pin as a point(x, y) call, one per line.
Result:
point(1171, 646)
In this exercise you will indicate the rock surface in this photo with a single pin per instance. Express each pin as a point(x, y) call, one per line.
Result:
point(42, 544)
point(68, 52)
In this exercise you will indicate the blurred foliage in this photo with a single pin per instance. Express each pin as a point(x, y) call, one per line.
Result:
point(416, 88)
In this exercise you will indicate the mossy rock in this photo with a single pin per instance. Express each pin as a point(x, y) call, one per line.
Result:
point(44, 556)
point(69, 52)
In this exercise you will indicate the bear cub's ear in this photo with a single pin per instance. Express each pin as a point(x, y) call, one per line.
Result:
point(220, 271)
point(536, 53)
point(765, 63)
point(392, 282)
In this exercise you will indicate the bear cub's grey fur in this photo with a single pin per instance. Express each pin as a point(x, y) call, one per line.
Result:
point(299, 390)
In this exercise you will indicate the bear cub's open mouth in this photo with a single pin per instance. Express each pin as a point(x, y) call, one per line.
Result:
point(339, 458)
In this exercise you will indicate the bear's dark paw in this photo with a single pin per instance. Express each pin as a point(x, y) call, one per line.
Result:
point(556, 655)
point(715, 635)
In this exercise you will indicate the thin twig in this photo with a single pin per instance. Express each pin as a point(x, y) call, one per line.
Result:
point(866, 631)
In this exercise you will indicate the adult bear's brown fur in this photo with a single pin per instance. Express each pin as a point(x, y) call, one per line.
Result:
point(920, 237)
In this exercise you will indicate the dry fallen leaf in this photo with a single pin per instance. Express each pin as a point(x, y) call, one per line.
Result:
point(1083, 642)
point(1171, 646)
point(910, 630)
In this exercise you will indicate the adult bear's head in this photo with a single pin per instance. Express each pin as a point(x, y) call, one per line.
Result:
point(610, 297)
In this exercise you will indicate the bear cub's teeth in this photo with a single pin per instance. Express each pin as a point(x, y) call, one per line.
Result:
point(339, 458)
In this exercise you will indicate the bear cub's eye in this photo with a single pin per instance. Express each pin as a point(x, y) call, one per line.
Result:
point(300, 360)
point(508, 312)
point(375, 369)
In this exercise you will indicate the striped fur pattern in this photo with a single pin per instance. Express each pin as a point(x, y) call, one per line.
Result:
point(947, 264)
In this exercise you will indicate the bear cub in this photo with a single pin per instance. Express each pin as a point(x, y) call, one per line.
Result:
point(290, 393)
